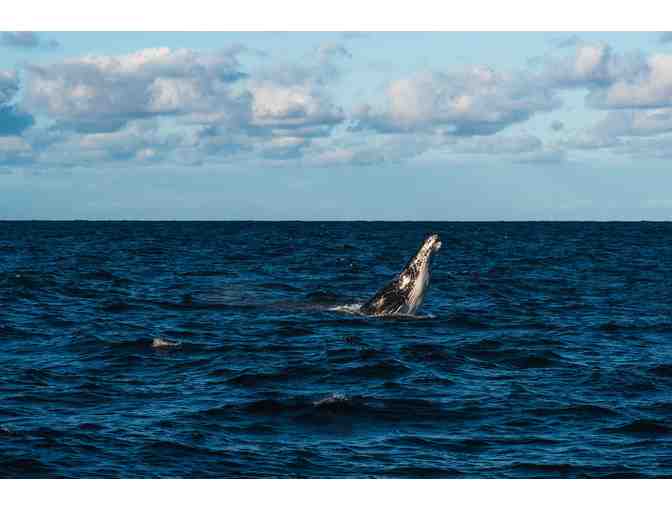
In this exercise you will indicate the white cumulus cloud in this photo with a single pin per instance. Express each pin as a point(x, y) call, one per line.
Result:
point(477, 101)
point(103, 93)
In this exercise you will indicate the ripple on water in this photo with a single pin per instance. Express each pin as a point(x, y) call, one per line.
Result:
point(224, 349)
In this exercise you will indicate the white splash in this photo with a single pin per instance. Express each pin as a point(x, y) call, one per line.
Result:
point(160, 343)
point(353, 308)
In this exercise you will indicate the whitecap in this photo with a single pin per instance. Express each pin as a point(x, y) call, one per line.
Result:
point(162, 343)
point(332, 399)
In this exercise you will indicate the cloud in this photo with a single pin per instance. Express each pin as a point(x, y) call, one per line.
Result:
point(205, 106)
point(650, 87)
point(567, 41)
point(289, 107)
point(635, 89)
point(477, 101)
point(639, 148)
point(192, 107)
point(320, 66)
point(283, 147)
point(14, 151)
point(665, 37)
point(376, 149)
point(469, 109)
point(355, 35)
point(9, 86)
point(138, 141)
point(399, 147)
point(518, 149)
point(359, 156)
point(276, 113)
point(640, 133)
point(328, 51)
point(142, 141)
point(214, 141)
point(498, 144)
point(545, 156)
point(103, 93)
point(636, 134)
point(557, 125)
point(26, 40)
point(613, 80)
point(301, 107)
point(635, 122)
point(591, 66)
point(589, 140)
point(13, 121)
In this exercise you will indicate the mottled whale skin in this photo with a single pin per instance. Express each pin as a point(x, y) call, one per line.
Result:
point(404, 294)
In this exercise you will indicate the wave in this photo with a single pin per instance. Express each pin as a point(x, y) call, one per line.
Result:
point(643, 427)
point(341, 409)
point(579, 411)
point(13, 466)
point(293, 330)
point(388, 369)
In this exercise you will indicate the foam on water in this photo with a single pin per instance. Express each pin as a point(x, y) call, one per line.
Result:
point(355, 309)
point(352, 308)
point(162, 343)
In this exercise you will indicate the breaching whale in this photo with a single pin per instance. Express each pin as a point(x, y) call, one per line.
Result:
point(404, 294)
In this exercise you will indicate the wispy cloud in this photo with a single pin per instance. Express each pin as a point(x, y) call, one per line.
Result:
point(27, 41)
point(355, 35)
point(557, 125)
point(665, 37)
point(9, 86)
point(567, 41)
point(13, 121)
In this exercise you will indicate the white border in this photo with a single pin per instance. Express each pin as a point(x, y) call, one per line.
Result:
point(311, 15)
point(332, 494)
point(571, 15)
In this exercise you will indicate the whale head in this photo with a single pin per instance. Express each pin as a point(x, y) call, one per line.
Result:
point(432, 244)
point(429, 246)
point(405, 293)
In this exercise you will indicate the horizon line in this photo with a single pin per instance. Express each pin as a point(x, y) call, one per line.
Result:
point(73, 220)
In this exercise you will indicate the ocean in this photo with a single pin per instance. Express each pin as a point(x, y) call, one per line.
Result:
point(233, 349)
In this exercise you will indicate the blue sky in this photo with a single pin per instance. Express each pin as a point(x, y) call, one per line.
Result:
point(384, 125)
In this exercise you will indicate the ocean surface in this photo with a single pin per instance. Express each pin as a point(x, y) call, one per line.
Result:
point(231, 349)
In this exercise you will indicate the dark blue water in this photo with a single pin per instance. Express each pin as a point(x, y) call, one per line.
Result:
point(544, 350)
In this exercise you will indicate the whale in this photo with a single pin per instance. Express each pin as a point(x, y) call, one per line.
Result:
point(404, 294)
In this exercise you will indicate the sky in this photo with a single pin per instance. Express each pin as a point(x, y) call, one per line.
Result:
point(336, 125)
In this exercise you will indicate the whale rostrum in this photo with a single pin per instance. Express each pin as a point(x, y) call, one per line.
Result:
point(404, 294)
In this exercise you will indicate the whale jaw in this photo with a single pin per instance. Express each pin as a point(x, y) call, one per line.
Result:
point(418, 291)
point(405, 293)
